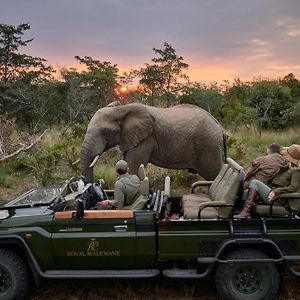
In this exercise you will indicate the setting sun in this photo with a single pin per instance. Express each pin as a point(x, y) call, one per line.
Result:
point(123, 89)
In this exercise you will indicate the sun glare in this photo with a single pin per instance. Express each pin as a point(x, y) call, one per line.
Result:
point(123, 89)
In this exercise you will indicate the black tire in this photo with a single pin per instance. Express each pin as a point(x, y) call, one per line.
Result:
point(14, 276)
point(242, 280)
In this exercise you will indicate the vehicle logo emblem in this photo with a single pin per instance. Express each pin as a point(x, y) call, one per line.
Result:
point(93, 245)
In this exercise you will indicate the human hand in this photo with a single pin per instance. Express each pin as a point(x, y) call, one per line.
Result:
point(105, 203)
point(271, 195)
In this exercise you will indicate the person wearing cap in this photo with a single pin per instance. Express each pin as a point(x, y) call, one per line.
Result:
point(127, 187)
point(264, 168)
point(287, 180)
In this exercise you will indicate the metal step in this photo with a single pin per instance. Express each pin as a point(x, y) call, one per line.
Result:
point(185, 273)
point(206, 260)
point(101, 273)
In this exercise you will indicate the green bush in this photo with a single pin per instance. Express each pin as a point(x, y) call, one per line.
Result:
point(236, 148)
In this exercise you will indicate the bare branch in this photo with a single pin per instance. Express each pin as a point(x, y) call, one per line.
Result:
point(23, 148)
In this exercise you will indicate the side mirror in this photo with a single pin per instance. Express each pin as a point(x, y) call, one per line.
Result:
point(79, 210)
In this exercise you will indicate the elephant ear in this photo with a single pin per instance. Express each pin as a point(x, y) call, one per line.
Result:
point(136, 126)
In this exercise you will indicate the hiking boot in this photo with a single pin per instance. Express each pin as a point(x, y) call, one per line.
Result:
point(250, 201)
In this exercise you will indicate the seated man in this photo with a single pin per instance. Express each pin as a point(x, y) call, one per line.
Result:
point(127, 187)
point(264, 168)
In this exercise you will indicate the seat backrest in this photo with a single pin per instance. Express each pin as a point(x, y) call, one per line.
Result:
point(230, 191)
point(141, 172)
point(144, 187)
point(142, 199)
point(228, 194)
point(212, 190)
point(167, 188)
point(220, 186)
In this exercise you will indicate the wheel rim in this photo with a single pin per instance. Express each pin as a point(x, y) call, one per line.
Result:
point(247, 280)
point(4, 281)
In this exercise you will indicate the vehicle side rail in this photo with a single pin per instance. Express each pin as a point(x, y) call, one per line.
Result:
point(147, 273)
point(207, 260)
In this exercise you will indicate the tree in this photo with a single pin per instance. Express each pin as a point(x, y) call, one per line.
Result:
point(76, 97)
point(164, 76)
point(14, 65)
point(234, 104)
point(294, 84)
point(206, 97)
point(101, 77)
point(152, 80)
point(272, 102)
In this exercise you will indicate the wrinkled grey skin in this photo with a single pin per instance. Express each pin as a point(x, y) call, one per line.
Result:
point(179, 137)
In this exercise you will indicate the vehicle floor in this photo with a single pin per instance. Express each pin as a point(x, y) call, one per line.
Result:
point(150, 289)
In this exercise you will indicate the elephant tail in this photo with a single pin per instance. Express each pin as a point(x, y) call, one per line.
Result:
point(225, 146)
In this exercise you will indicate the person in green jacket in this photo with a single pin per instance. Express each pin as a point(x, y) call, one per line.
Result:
point(287, 180)
point(127, 188)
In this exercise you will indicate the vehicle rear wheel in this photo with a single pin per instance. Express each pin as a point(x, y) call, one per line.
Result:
point(14, 276)
point(247, 280)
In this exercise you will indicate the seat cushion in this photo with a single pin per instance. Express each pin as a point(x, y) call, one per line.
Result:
point(294, 204)
point(209, 213)
point(139, 203)
point(264, 210)
point(192, 198)
point(206, 213)
point(191, 203)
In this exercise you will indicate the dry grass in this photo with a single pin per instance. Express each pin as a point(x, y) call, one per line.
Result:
point(137, 289)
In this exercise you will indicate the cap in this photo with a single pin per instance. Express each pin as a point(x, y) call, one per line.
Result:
point(122, 165)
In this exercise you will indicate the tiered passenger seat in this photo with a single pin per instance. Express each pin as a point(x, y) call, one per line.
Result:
point(222, 195)
point(276, 209)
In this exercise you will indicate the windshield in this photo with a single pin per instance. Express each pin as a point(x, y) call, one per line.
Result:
point(40, 195)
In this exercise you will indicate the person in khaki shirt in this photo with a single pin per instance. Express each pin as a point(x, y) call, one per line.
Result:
point(287, 180)
point(127, 187)
point(264, 168)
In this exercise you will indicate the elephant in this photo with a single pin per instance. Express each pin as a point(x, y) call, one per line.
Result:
point(179, 137)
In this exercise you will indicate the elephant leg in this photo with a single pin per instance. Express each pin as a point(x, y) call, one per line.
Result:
point(139, 155)
point(210, 163)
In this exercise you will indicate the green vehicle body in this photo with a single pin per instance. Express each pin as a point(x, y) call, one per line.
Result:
point(142, 244)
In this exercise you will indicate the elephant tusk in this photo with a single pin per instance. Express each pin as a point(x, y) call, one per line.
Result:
point(94, 161)
point(76, 162)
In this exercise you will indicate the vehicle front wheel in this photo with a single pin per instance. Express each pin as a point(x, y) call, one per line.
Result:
point(14, 276)
point(247, 280)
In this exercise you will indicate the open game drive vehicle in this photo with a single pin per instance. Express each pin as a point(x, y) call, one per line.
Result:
point(191, 236)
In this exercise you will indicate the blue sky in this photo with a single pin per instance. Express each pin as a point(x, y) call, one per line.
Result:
point(219, 39)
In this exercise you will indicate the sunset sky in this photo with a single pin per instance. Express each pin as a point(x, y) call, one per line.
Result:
point(219, 39)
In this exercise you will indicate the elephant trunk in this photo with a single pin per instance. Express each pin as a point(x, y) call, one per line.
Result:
point(87, 160)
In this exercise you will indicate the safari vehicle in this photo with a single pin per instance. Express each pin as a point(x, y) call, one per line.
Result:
point(191, 236)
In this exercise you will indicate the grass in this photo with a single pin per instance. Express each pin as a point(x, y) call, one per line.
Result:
point(247, 145)
point(146, 289)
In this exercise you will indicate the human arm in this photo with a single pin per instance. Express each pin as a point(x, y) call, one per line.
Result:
point(294, 184)
point(255, 166)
